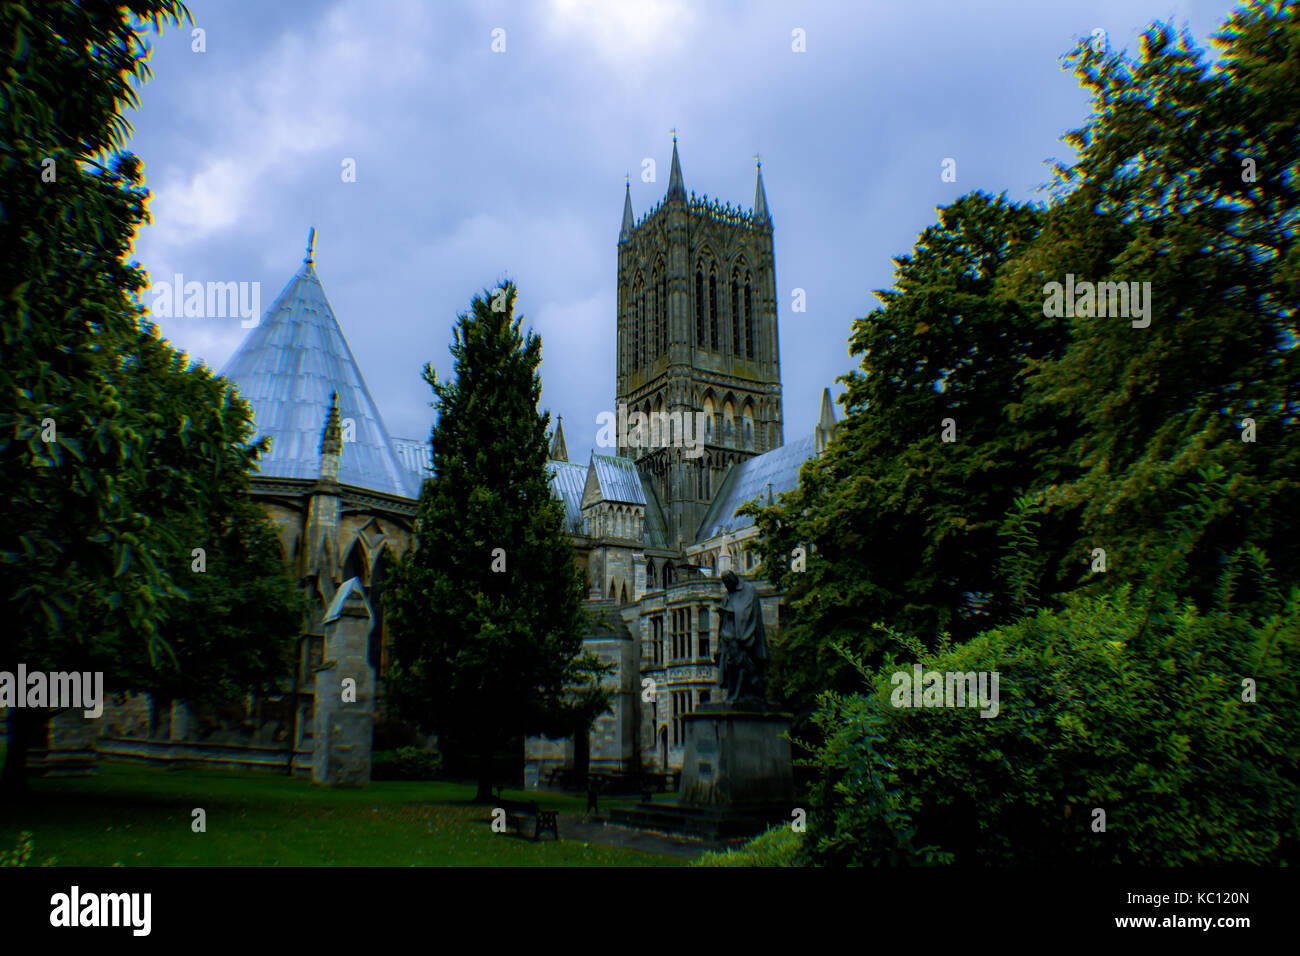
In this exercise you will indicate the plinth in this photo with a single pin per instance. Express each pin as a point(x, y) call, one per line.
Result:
point(736, 756)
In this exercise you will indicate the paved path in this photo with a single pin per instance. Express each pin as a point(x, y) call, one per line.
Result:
point(590, 830)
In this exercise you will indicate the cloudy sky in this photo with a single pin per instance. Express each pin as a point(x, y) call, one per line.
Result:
point(473, 165)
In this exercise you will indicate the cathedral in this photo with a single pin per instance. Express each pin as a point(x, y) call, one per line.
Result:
point(653, 525)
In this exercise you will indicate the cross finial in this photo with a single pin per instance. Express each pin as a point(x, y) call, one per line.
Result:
point(758, 161)
point(311, 245)
point(674, 132)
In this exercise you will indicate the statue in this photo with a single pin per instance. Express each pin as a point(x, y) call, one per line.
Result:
point(742, 642)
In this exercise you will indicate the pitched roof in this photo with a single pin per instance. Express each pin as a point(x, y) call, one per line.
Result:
point(286, 369)
point(618, 479)
point(567, 482)
point(749, 480)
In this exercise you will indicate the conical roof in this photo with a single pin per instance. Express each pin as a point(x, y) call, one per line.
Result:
point(288, 367)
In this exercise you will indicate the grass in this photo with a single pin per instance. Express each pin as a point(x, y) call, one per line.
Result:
point(141, 816)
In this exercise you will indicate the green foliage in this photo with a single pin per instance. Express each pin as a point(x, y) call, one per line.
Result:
point(1101, 705)
point(906, 526)
point(481, 655)
point(1073, 433)
point(117, 455)
point(21, 855)
point(779, 846)
point(1162, 193)
point(405, 763)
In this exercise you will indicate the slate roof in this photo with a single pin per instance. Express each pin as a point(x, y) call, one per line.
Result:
point(656, 527)
point(749, 480)
point(568, 480)
point(619, 479)
point(286, 369)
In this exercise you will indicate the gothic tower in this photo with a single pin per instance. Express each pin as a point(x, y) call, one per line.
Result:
point(697, 332)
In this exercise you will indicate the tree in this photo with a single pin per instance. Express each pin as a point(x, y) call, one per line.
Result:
point(1187, 182)
point(486, 607)
point(114, 449)
point(906, 525)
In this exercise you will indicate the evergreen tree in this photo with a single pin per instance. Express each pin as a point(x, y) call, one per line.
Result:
point(486, 608)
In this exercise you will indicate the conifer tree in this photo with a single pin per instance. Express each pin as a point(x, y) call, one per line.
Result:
point(486, 608)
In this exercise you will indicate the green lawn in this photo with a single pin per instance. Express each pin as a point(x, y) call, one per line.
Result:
point(141, 816)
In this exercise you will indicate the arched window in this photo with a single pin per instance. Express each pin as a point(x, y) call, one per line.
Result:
point(650, 575)
point(663, 315)
point(750, 350)
point(640, 329)
point(737, 346)
point(699, 309)
point(652, 337)
point(713, 310)
point(708, 418)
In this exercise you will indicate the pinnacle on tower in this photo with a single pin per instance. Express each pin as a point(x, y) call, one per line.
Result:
point(760, 199)
point(311, 247)
point(331, 442)
point(626, 231)
point(559, 452)
point(825, 429)
point(676, 187)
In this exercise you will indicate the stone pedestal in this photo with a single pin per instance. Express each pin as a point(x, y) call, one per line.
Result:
point(736, 757)
point(345, 712)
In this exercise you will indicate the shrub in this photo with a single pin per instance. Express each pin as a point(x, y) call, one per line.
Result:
point(779, 846)
point(1105, 704)
point(405, 763)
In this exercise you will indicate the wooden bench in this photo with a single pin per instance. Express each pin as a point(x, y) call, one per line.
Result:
point(543, 820)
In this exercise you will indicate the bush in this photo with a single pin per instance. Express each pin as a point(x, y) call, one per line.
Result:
point(1103, 705)
point(779, 846)
point(405, 763)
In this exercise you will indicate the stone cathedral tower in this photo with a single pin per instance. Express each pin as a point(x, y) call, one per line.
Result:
point(697, 332)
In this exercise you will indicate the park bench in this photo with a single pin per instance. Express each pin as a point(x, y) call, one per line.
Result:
point(543, 820)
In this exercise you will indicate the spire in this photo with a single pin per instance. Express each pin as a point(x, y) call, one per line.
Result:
point(760, 197)
point(559, 452)
point(626, 231)
point(311, 247)
point(825, 429)
point(331, 442)
point(676, 188)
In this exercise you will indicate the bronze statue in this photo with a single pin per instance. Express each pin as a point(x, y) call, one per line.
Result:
point(742, 642)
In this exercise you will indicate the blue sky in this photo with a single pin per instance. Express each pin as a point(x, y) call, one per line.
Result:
point(473, 165)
